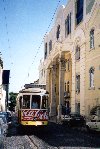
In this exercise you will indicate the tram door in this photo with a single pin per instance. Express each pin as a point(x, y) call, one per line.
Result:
point(19, 108)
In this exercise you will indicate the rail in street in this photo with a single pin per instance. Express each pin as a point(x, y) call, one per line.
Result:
point(54, 136)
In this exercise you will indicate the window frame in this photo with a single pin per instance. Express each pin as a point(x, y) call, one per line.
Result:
point(65, 88)
point(77, 83)
point(92, 38)
point(45, 54)
point(77, 53)
point(50, 45)
point(91, 75)
point(68, 25)
point(58, 32)
point(26, 100)
point(79, 11)
point(68, 86)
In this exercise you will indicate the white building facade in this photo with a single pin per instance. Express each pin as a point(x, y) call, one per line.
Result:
point(2, 90)
point(71, 35)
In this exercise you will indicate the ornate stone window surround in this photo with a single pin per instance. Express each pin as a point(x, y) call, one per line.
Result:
point(68, 25)
point(91, 78)
point(92, 39)
point(58, 32)
point(45, 54)
point(79, 11)
point(50, 46)
point(77, 53)
point(77, 83)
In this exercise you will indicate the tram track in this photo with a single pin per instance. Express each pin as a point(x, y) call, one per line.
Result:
point(37, 143)
point(32, 143)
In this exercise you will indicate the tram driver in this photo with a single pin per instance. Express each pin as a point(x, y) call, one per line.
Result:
point(34, 104)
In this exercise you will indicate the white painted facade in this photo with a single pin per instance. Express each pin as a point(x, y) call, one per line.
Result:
point(2, 93)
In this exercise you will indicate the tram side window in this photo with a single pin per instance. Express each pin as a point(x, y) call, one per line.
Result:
point(35, 102)
point(26, 101)
point(44, 102)
point(20, 102)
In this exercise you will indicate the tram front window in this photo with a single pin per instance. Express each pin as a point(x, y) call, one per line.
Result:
point(35, 104)
point(26, 101)
point(44, 102)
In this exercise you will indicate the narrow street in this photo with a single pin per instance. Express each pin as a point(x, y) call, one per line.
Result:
point(53, 136)
point(49, 74)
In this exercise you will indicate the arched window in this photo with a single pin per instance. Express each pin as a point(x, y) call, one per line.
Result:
point(68, 86)
point(92, 38)
point(50, 45)
point(68, 25)
point(45, 54)
point(65, 86)
point(68, 64)
point(79, 11)
point(77, 54)
point(58, 32)
point(91, 71)
point(77, 83)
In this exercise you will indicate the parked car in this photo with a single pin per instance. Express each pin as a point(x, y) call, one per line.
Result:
point(3, 124)
point(93, 122)
point(74, 119)
point(8, 116)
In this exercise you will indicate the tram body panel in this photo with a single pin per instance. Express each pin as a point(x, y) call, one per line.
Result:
point(34, 117)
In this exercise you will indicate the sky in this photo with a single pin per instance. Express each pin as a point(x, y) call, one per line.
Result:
point(23, 24)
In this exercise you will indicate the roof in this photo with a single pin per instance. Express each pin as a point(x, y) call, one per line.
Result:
point(33, 90)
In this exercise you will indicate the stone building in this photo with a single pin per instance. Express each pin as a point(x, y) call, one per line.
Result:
point(0, 87)
point(2, 91)
point(72, 58)
point(4, 86)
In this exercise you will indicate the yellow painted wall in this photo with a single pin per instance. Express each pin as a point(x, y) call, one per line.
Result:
point(92, 97)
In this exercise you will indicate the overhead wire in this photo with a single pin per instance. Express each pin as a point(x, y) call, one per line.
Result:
point(28, 74)
point(42, 41)
point(7, 32)
point(46, 34)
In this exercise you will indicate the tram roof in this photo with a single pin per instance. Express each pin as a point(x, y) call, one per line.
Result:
point(32, 85)
point(33, 90)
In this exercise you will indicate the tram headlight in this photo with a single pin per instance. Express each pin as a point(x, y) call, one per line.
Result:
point(39, 123)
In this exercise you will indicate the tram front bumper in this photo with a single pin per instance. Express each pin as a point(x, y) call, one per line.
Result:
point(34, 123)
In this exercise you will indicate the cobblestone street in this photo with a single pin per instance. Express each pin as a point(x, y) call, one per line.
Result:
point(49, 74)
point(53, 136)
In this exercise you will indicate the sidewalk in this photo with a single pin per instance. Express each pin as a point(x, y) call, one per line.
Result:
point(54, 120)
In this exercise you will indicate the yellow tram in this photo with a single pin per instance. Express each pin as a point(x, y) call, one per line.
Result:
point(32, 107)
